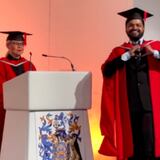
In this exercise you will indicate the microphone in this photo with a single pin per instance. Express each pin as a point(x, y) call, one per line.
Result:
point(30, 60)
point(62, 57)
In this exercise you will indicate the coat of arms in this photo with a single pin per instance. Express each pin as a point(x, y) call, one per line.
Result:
point(59, 135)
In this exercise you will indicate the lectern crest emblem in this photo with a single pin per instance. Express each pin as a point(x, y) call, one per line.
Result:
point(59, 135)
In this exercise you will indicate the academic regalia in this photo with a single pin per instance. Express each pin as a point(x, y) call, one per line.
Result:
point(11, 67)
point(16, 35)
point(115, 108)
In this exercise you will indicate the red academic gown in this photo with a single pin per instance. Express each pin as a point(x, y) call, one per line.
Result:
point(6, 73)
point(115, 118)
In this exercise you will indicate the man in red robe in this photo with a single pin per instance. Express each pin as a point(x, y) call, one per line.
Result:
point(11, 66)
point(130, 108)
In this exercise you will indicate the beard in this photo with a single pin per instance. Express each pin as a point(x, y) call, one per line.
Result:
point(135, 37)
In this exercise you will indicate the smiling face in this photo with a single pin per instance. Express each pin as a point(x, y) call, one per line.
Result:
point(15, 48)
point(135, 29)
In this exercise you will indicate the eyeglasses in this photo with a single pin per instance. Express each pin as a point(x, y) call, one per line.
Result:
point(18, 43)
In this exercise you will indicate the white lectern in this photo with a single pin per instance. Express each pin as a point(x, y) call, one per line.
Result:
point(46, 117)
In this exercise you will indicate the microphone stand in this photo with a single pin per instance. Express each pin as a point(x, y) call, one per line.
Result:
point(30, 58)
point(72, 66)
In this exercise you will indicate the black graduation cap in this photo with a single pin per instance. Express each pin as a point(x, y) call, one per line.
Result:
point(16, 35)
point(135, 13)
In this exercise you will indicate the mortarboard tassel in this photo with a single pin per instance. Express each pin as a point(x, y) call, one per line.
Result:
point(145, 15)
point(25, 39)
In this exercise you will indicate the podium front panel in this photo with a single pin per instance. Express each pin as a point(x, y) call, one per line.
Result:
point(54, 135)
